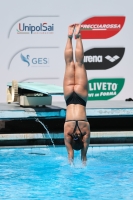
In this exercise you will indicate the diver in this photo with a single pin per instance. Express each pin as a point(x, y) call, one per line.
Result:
point(75, 85)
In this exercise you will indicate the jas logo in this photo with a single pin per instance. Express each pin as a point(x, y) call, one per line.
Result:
point(102, 58)
point(101, 27)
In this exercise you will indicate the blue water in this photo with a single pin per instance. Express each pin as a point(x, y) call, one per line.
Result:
point(44, 174)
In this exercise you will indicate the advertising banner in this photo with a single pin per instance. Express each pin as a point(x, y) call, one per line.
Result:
point(33, 39)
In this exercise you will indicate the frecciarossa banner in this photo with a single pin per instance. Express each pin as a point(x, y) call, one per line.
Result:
point(101, 27)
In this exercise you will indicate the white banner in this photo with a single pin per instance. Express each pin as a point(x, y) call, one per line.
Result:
point(34, 34)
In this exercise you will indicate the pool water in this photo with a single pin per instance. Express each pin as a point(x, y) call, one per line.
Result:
point(44, 174)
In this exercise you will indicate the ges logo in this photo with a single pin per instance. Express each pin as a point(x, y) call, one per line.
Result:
point(34, 61)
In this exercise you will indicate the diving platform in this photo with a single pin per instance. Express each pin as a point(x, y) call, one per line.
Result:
point(27, 100)
point(110, 121)
point(94, 109)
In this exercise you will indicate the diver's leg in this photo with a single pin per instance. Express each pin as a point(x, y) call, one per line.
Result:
point(68, 84)
point(81, 82)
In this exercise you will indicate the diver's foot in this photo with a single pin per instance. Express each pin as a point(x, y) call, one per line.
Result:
point(71, 30)
point(77, 30)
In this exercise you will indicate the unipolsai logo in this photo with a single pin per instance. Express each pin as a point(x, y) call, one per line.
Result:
point(104, 89)
point(101, 27)
point(103, 58)
point(41, 28)
point(34, 61)
point(35, 25)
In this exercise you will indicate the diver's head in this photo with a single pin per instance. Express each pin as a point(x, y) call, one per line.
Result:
point(77, 142)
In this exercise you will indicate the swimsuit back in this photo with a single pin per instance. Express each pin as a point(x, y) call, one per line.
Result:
point(74, 135)
point(75, 99)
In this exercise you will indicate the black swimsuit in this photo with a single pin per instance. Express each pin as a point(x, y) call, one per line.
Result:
point(75, 99)
point(75, 136)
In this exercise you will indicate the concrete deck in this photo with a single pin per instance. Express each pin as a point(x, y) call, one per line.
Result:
point(14, 111)
point(105, 134)
point(58, 110)
point(102, 113)
point(122, 137)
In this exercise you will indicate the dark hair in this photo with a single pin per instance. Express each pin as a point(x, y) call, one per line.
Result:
point(77, 144)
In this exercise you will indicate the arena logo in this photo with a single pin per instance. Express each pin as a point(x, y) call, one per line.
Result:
point(101, 27)
point(34, 62)
point(104, 89)
point(42, 28)
point(103, 58)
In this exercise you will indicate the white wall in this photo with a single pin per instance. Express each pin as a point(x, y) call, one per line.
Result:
point(51, 46)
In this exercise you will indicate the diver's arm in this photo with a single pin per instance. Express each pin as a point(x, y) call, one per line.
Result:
point(86, 142)
point(69, 150)
point(84, 152)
